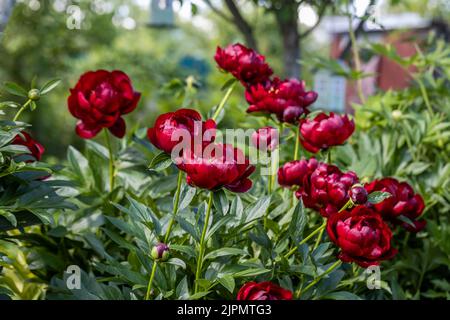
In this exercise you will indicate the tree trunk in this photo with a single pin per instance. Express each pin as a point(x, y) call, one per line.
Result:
point(287, 19)
point(242, 25)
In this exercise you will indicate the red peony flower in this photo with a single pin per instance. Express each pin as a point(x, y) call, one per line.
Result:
point(295, 172)
point(99, 100)
point(362, 235)
point(327, 188)
point(266, 138)
point(167, 124)
point(325, 131)
point(36, 149)
point(219, 166)
point(243, 63)
point(263, 291)
point(287, 99)
point(403, 202)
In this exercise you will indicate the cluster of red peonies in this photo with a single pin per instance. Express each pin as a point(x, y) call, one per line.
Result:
point(403, 202)
point(99, 100)
point(287, 99)
point(243, 63)
point(263, 291)
point(36, 149)
point(362, 233)
point(208, 165)
point(325, 131)
point(265, 139)
point(362, 236)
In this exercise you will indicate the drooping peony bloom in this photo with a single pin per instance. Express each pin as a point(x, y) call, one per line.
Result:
point(327, 188)
point(36, 149)
point(99, 99)
point(403, 202)
point(219, 165)
point(362, 236)
point(263, 291)
point(297, 172)
point(170, 129)
point(287, 99)
point(325, 131)
point(243, 63)
point(266, 138)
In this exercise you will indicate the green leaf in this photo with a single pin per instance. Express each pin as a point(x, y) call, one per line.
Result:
point(258, 209)
point(199, 295)
point(9, 216)
point(160, 162)
point(228, 84)
point(182, 290)
point(298, 222)
point(236, 208)
point(177, 262)
point(221, 202)
point(341, 295)
point(225, 252)
point(186, 196)
point(378, 196)
point(405, 219)
point(9, 104)
point(228, 282)
point(33, 105)
point(49, 86)
point(15, 89)
point(252, 272)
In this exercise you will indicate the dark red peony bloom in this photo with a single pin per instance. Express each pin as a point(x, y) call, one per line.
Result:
point(287, 99)
point(183, 119)
point(297, 172)
point(362, 235)
point(36, 149)
point(99, 100)
point(327, 188)
point(263, 291)
point(403, 202)
point(220, 165)
point(243, 63)
point(266, 138)
point(325, 131)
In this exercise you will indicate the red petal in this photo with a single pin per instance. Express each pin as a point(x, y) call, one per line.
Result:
point(118, 129)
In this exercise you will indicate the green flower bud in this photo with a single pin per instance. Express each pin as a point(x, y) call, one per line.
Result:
point(34, 94)
point(397, 114)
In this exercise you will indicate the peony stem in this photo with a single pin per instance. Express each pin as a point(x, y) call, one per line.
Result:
point(331, 268)
point(112, 169)
point(319, 237)
point(297, 144)
point(25, 105)
point(175, 206)
point(169, 229)
point(312, 234)
point(329, 156)
point(202, 243)
point(150, 281)
point(224, 100)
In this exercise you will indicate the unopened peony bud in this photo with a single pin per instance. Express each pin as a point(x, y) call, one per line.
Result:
point(396, 114)
point(358, 194)
point(160, 252)
point(34, 94)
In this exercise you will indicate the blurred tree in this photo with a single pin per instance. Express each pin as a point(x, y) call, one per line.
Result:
point(286, 13)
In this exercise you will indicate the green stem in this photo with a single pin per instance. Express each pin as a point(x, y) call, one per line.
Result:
point(309, 286)
point(150, 281)
point(224, 100)
point(319, 237)
point(312, 234)
point(169, 229)
point(424, 95)
point(175, 206)
point(25, 105)
point(297, 144)
point(202, 243)
point(329, 156)
point(112, 169)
